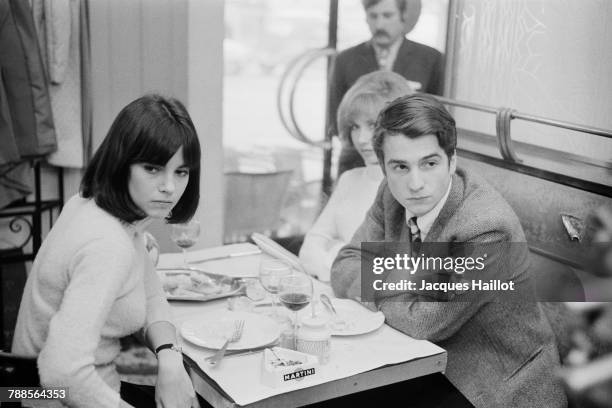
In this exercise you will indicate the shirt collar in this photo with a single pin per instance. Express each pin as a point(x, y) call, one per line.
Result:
point(392, 53)
point(425, 221)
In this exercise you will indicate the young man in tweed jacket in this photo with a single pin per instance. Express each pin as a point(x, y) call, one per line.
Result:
point(500, 353)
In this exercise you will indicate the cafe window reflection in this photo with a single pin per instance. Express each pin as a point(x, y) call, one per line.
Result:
point(261, 38)
point(430, 28)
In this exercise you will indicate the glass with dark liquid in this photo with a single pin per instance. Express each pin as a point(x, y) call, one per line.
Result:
point(294, 301)
point(271, 271)
point(295, 294)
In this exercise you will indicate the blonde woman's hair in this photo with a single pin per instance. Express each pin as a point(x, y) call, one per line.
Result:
point(367, 97)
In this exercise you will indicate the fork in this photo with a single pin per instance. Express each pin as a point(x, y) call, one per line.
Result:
point(234, 337)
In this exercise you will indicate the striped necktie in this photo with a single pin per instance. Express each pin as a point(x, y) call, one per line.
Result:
point(415, 232)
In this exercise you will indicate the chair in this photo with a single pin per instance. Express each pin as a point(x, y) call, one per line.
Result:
point(18, 370)
point(253, 203)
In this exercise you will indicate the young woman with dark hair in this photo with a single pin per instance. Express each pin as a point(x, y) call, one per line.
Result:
point(92, 281)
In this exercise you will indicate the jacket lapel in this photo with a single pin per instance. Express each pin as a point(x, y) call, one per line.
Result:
point(403, 56)
point(455, 197)
point(394, 218)
point(368, 56)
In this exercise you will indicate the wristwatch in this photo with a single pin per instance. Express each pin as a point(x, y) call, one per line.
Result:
point(168, 346)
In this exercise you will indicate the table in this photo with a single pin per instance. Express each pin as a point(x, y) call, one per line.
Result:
point(358, 363)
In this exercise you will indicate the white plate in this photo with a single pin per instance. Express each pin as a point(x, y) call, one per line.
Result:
point(358, 319)
point(179, 285)
point(211, 329)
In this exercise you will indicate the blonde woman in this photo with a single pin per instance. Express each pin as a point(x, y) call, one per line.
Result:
point(356, 188)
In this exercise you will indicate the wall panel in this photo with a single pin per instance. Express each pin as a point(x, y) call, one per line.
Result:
point(549, 58)
point(174, 47)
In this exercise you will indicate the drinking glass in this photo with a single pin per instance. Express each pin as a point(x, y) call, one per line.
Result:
point(185, 236)
point(270, 273)
point(295, 294)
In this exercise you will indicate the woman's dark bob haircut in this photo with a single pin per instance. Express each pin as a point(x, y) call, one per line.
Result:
point(149, 130)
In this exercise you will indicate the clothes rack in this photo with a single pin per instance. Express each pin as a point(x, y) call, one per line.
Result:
point(28, 214)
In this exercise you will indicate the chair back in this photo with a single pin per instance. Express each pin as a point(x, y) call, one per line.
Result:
point(18, 370)
point(253, 203)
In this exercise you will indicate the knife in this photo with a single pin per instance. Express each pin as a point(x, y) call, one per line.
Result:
point(236, 353)
point(226, 256)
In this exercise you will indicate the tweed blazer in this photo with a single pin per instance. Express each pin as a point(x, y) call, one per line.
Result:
point(500, 353)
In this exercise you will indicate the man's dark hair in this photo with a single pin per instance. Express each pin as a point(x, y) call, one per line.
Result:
point(414, 116)
point(409, 10)
point(150, 129)
point(401, 4)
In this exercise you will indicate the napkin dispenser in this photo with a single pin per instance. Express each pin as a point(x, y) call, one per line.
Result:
point(281, 366)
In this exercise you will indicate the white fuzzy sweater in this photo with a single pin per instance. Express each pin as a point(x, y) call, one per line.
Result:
point(343, 214)
point(91, 284)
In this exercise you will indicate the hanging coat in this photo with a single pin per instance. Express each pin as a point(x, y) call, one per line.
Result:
point(58, 26)
point(24, 82)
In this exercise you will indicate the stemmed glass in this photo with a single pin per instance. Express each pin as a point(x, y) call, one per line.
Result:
point(185, 236)
point(270, 273)
point(295, 294)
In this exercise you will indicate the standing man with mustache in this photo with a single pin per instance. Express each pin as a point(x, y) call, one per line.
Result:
point(388, 49)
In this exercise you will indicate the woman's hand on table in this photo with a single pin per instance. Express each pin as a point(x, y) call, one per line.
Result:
point(174, 388)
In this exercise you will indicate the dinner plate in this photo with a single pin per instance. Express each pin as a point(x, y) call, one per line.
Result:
point(211, 329)
point(189, 284)
point(357, 319)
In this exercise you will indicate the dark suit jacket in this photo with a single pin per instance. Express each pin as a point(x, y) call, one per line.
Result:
point(500, 353)
point(415, 62)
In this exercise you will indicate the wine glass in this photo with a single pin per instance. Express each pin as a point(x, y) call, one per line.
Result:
point(270, 273)
point(185, 236)
point(295, 294)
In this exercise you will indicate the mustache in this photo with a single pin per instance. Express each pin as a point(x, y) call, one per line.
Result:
point(378, 33)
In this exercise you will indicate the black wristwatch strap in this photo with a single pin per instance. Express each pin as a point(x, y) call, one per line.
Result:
point(163, 347)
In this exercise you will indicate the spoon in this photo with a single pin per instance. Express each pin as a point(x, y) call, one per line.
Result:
point(327, 302)
point(338, 323)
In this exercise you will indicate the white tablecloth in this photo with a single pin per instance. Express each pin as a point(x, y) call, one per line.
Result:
point(240, 376)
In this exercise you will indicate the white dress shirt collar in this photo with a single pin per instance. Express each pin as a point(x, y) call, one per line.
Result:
point(425, 221)
point(386, 56)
